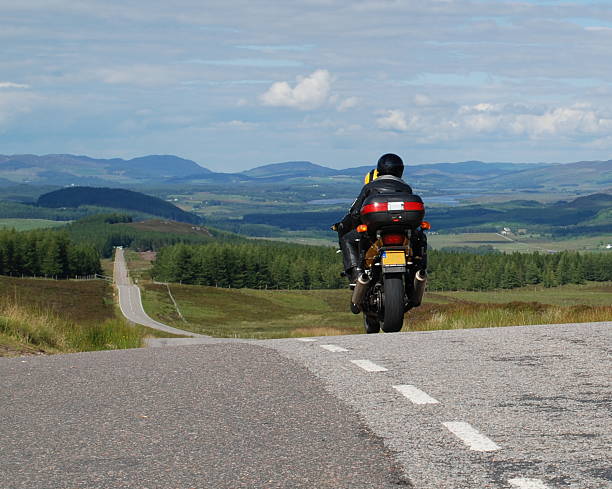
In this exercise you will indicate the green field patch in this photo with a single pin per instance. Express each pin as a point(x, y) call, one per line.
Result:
point(246, 313)
point(82, 301)
point(39, 316)
point(464, 315)
point(522, 243)
point(592, 294)
point(30, 224)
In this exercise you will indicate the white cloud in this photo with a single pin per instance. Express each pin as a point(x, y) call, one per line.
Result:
point(348, 103)
point(309, 93)
point(422, 100)
point(511, 120)
point(393, 120)
point(142, 75)
point(236, 124)
point(562, 121)
point(13, 85)
point(14, 104)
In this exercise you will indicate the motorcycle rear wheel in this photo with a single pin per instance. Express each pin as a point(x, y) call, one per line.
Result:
point(371, 324)
point(394, 303)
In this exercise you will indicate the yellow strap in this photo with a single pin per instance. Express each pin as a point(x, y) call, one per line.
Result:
point(371, 176)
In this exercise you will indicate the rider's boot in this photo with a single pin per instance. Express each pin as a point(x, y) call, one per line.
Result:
point(353, 274)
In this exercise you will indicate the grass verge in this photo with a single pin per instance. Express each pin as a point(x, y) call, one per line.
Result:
point(31, 331)
point(246, 313)
point(461, 315)
point(39, 316)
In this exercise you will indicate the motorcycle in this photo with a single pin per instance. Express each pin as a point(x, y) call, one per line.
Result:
point(393, 254)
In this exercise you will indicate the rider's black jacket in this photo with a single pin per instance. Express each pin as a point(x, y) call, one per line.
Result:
point(385, 184)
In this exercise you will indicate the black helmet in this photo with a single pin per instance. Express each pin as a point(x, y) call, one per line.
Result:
point(390, 164)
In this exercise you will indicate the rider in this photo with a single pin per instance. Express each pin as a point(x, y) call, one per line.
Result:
point(387, 179)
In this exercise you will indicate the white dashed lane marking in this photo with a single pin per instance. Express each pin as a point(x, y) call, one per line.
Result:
point(471, 437)
point(369, 366)
point(521, 483)
point(306, 339)
point(417, 396)
point(333, 348)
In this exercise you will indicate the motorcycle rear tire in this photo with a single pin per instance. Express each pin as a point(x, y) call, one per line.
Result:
point(371, 324)
point(394, 303)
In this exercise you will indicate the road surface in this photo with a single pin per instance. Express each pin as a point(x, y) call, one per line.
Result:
point(500, 408)
point(130, 300)
point(526, 407)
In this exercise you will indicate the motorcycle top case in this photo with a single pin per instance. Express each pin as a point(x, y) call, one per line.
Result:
point(393, 210)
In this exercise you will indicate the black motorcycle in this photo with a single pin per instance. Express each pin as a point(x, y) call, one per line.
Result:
point(393, 256)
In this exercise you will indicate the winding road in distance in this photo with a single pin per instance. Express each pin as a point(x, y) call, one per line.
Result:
point(501, 408)
point(130, 300)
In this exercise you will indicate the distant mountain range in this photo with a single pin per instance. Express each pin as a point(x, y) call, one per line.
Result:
point(64, 170)
point(83, 170)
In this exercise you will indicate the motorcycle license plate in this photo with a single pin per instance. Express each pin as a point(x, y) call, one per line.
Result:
point(393, 258)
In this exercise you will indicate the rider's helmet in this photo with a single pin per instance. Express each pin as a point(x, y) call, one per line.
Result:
point(390, 164)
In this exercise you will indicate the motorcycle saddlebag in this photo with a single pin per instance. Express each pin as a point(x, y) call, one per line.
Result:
point(393, 210)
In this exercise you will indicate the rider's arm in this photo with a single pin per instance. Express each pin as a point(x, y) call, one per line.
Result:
point(352, 218)
point(356, 207)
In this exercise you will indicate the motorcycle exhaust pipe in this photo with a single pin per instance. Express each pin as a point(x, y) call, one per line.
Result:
point(361, 285)
point(420, 281)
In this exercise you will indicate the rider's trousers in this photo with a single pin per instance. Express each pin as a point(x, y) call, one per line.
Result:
point(349, 244)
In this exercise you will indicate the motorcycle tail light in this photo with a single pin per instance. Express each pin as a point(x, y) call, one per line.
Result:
point(393, 239)
point(362, 228)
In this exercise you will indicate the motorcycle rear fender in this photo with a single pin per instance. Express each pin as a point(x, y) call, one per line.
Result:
point(393, 269)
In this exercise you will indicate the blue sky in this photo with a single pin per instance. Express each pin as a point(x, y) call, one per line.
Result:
point(234, 84)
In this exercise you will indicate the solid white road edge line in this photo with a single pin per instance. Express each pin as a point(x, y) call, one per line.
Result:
point(417, 396)
point(333, 348)
point(522, 483)
point(471, 437)
point(305, 339)
point(369, 366)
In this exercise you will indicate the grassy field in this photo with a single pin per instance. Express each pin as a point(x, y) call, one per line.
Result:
point(296, 237)
point(82, 301)
point(29, 224)
point(592, 294)
point(56, 316)
point(249, 313)
point(518, 243)
point(139, 264)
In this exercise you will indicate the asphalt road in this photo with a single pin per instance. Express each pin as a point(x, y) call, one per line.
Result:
point(521, 407)
point(538, 397)
point(524, 407)
point(209, 416)
point(130, 300)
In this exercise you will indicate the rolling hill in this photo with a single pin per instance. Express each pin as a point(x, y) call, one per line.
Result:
point(115, 198)
point(579, 216)
point(290, 169)
point(569, 175)
point(65, 169)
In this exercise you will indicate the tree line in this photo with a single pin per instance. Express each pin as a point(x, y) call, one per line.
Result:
point(44, 253)
point(250, 265)
point(466, 271)
point(288, 266)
